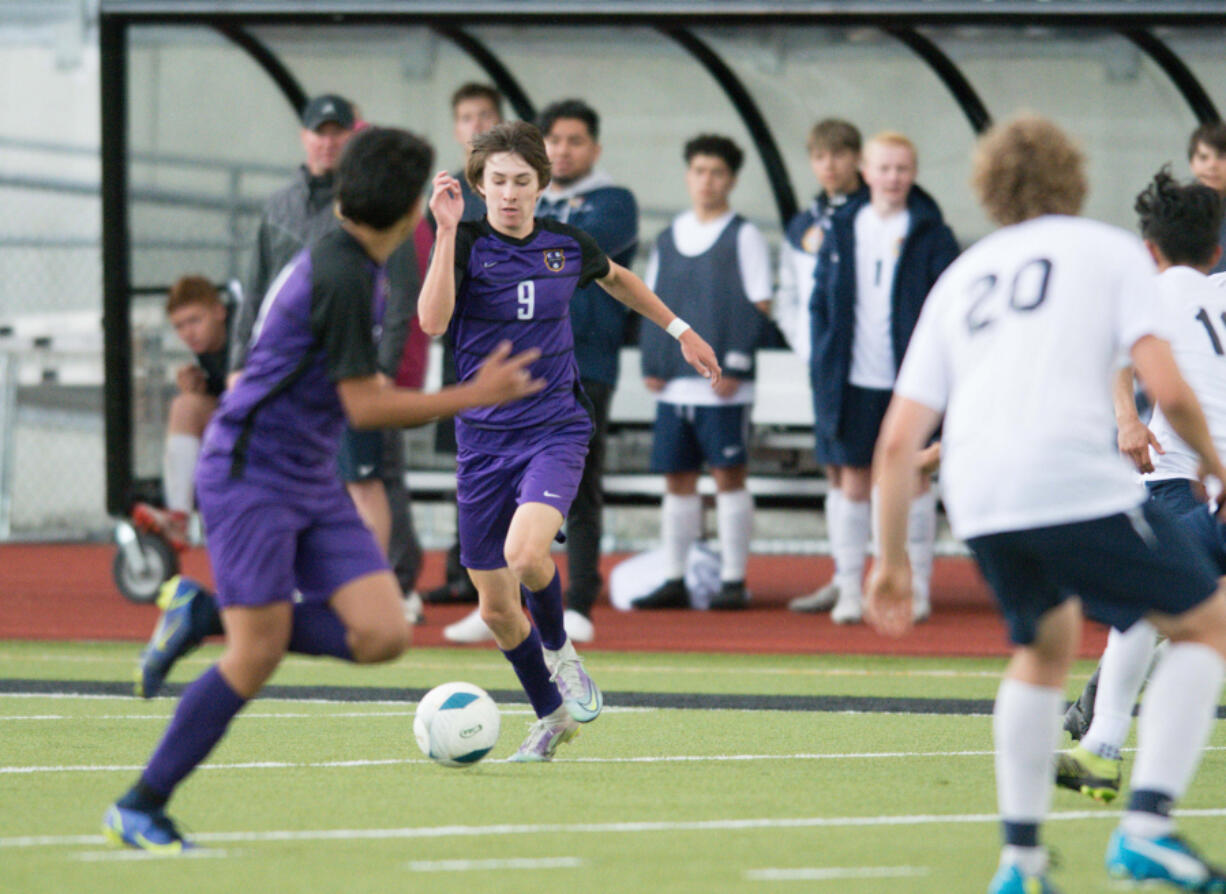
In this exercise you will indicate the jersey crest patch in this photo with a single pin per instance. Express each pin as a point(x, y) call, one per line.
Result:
point(555, 259)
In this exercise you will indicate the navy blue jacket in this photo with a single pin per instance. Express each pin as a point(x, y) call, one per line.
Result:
point(609, 215)
point(928, 248)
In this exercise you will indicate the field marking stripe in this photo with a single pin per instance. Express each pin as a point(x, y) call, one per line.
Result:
point(695, 758)
point(292, 661)
point(395, 761)
point(832, 873)
point(116, 856)
point(486, 865)
point(923, 819)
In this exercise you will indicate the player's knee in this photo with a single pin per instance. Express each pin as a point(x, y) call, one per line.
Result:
point(524, 560)
point(382, 643)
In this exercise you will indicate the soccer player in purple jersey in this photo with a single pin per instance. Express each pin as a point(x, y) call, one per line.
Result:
point(279, 519)
point(511, 276)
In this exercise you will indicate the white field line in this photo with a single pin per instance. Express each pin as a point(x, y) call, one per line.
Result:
point(487, 865)
point(293, 661)
point(288, 715)
point(116, 856)
point(832, 873)
point(644, 759)
point(738, 825)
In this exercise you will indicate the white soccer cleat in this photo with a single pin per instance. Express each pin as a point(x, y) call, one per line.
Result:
point(848, 609)
point(580, 696)
point(469, 629)
point(414, 608)
point(578, 627)
point(820, 600)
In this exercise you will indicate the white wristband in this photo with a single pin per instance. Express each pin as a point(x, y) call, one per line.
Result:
point(677, 327)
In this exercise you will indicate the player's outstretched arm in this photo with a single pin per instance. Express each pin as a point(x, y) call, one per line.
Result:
point(374, 402)
point(1166, 386)
point(436, 302)
point(907, 426)
point(1134, 437)
point(633, 292)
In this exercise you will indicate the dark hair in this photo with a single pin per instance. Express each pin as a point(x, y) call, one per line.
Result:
point(1212, 134)
point(517, 137)
point(834, 135)
point(474, 90)
point(191, 289)
point(381, 174)
point(570, 108)
point(1182, 220)
point(720, 147)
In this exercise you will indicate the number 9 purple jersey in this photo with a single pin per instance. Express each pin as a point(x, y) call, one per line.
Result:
point(520, 290)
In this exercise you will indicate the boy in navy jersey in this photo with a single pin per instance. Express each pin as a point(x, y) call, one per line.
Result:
point(511, 276)
point(280, 522)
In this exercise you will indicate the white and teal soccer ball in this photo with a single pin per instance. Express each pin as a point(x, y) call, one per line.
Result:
point(456, 724)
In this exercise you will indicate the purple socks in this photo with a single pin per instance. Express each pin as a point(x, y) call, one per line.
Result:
point(529, 664)
point(319, 631)
point(206, 709)
point(545, 607)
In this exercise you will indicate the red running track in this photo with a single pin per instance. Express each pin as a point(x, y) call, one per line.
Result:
point(65, 592)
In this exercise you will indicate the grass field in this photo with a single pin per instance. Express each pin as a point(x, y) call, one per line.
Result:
point(693, 780)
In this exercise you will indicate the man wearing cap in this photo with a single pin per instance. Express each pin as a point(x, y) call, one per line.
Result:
point(371, 463)
point(298, 213)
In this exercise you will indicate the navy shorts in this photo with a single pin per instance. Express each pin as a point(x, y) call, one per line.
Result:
point(1175, 495)
point(361, 454)
point(686, 435)
point(1122, 566)
point(859, 423)
point(1179, 498)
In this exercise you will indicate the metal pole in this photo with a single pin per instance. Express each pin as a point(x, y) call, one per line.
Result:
point(8, 438)
point(116, 265)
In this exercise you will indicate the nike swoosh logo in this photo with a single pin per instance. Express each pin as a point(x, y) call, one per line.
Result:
point(553, 495)
point(1180, 865)
point(489, 264)
point(165, 632)
point(731, 451)
point(365, 470)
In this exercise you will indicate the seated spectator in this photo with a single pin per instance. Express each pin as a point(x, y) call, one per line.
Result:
point(202, 319)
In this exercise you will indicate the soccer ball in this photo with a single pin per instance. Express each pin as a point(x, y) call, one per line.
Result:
point(456, 724)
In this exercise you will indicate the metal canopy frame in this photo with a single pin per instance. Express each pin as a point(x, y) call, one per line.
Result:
point(900, 19)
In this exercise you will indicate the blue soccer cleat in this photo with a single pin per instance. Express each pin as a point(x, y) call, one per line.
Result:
point(1167, 859)
point(1009, 879)
point(581, 696)
point(174, 636)
point(147, 830)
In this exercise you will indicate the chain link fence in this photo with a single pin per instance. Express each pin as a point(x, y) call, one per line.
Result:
point(188, 215)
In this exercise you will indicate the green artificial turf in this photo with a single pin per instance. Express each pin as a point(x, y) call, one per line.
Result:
point(329, 796)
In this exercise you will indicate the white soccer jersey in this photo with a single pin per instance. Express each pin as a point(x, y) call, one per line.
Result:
point(878, 245)
point(1193, 313)
point(1018, 343)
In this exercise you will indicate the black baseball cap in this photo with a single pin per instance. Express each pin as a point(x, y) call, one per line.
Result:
point(329, 107)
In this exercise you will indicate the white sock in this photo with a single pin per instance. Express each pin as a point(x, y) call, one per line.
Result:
point(921, 541)
point(734, 521)
point(179, 471)
point(834, 528)
point(1176, 718)
point(1124, 665)
point(1031, 860)
point(680, 528)
point(1026, 726)
point(856, 526)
